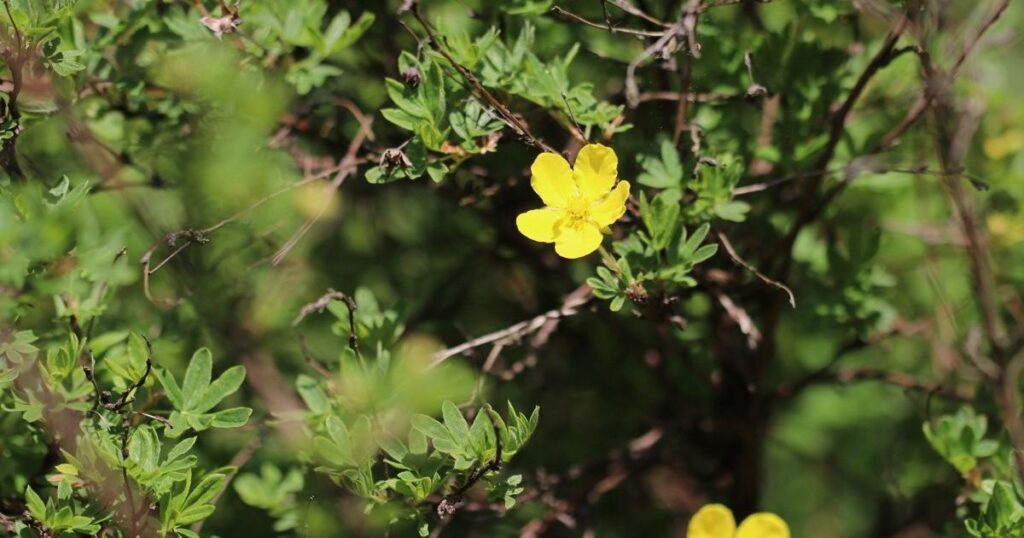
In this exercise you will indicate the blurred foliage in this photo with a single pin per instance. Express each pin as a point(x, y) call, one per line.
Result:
point(812, 305)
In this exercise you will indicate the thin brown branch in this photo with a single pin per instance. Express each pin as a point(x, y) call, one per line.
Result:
point(1009, 401)
point(746, 265)
point(629, 8)
point(720, 3)
point(571, 306)
point(574, 18)
point(658, 47)
point(743, 320)
point(902, 380)
point(365, 122)
point(926, 99)
point(837, 126)
point(319, 305)
point(951, 147)
point(826, 372)
point(476, 87)
point(710, 97)
point(123, 399)
point(347, 167)
point(315, 364)
point(689, 53)
point(15, 64)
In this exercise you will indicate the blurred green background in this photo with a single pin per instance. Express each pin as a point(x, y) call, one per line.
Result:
point(165, 127)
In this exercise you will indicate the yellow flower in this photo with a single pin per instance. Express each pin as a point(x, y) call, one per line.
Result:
point(998, 147)
point(716, 521)
point(581, 201)
point(1006, 230)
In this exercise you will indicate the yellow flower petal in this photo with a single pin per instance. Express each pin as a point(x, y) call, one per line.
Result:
point(577, 241)
point(552, 179)
point(595, 171)
point(612, 208)
point(712, 521)
point(763, 525)
point(538, 224)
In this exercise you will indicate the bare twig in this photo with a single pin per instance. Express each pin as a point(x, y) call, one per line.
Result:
point(629, 8)
point(746, 265)
point(450, 503)
point(17, 32)
point(741, 317)
point(837, 126)
point(200, 237)
point(720, 3)
point(320, 305)
point(572, 17)
point(123, 399)
point(314, 363)
point(15, 63)
point(926, 99)
point(632, 89)
point(365, 122)
point(1009, 401)
point(502, 111)
point(710, 97)
point(852, 170)
point(347, 167)
point(342, 169)
point(570, 307)
point(691, 51)
point(899, 379)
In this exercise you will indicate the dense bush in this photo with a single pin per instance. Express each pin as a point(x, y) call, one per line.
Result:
point(529, 268)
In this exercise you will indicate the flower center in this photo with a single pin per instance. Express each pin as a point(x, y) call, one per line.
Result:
point(578, 213)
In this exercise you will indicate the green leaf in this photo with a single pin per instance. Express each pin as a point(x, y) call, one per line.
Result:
point(661, 218)
point(353, 33)
point(432, 91)
point(225, 385)
point(403, 119)
point(144, 448)
point(662, 173)
point(734, 211)
point(1004, 509)
point(198, 422)
point(312, 393)
point(437, 171)
point(35, 504)
point(696, 239)
point(481, 435)
point(193, 514)
point(235, 417)
point(394, 448)
point(137, 352)
point(406, 99)
point(337, 28)
point(455, 422)
point(339, 433)
point(417, 442)
point(171, 388)
point(431, 428)
point(197, 378)
point(703, 253)
point(180, 449)
point(206, 489)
